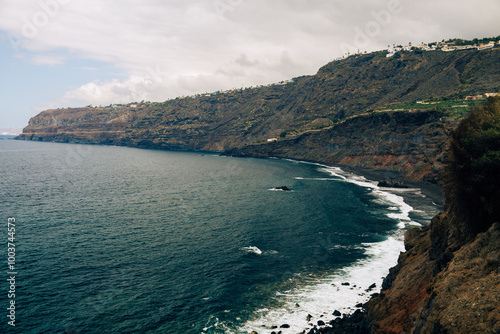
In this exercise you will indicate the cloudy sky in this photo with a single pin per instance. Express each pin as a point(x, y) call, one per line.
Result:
point(60, 53)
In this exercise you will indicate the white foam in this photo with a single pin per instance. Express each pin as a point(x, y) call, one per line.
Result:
point(252, 249)
point(328, 293)
point(277, 189)
point(315, 178)
point(324, 295)
point(384, 195)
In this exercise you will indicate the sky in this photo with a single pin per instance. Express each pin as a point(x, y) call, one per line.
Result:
point(71, 53)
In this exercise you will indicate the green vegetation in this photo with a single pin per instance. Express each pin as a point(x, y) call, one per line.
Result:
point(454, 108)
point(458, 41)
point(472, 177)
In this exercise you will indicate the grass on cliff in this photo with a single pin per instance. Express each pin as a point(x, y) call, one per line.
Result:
point(472, 176)
point(454, 108)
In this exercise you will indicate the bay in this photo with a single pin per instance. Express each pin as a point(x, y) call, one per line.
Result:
point(124, 240)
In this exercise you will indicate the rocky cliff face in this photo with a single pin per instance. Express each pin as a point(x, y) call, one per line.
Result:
point(410, 142)
point(448, 280)
point(441, 291)
point(220, 121)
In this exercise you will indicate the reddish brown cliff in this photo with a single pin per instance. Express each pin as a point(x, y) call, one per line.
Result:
point(448, 280)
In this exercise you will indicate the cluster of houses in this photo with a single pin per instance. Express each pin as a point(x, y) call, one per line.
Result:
point(441, 46)
point(480, 97)
point(281, 83)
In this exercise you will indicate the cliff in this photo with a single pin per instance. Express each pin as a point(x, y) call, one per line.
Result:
point(448, 279)
point(336, 95)
point(412, 143)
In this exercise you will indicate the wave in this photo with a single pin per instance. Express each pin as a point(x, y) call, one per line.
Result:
point(346, 288)
point(315, 178)
point(252, 250)
point(277, 189)
point(383, 195)
point(340, 291)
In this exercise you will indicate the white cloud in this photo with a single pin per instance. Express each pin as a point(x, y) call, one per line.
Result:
point(181, 47)
point(114, 91)
point(51, 60)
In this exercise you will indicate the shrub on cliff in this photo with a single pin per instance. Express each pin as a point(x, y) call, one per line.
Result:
point(472, 176)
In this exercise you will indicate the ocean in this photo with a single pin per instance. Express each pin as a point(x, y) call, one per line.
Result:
point(125, 240)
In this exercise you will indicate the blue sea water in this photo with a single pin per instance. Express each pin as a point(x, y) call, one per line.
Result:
point(124, 240)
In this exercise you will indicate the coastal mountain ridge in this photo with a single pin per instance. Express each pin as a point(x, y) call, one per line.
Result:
point(358, 86)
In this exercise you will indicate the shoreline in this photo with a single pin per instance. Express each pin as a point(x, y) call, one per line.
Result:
point(432, 191)
point(418, 196)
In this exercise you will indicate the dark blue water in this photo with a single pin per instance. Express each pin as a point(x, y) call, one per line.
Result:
point(122, 240)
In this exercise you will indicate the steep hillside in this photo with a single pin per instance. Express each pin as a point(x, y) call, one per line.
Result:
point(409, 142)
point(219, 121)
point(448, 281)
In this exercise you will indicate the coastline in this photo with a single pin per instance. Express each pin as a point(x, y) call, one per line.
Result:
point(430, 190)
point(349, 316)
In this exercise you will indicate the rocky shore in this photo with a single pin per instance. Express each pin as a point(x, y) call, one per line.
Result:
point(359, 321)
point(412, 144)
point(448, 279)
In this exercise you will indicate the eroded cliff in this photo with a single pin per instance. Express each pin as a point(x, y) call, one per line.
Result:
point(342, 89)
point(448, 280)
point(410, 142)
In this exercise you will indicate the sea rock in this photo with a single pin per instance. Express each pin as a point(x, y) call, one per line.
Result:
point(337, 313)
point(392, 184)
point(284, 188)
point(309, 317)
point(285, 326)
point(357, 316)
point(321, 323)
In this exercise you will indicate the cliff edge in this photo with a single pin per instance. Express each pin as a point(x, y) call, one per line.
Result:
point(448, 279)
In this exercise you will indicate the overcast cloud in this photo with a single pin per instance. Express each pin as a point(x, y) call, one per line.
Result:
point(163, 49)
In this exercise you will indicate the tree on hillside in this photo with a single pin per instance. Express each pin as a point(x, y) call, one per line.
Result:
point(472, 175)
